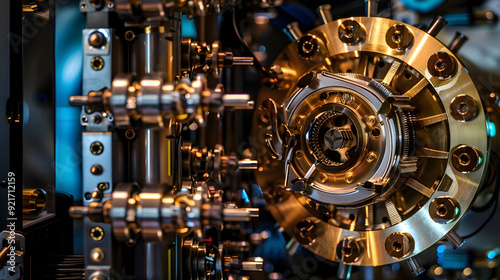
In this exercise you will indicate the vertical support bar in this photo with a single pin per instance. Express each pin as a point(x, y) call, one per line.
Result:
point(90, 184)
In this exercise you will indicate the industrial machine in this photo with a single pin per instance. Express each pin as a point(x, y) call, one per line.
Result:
point(172, 139)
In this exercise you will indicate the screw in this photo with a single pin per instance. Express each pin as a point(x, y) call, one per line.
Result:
point(371, 157)
point(349, 177)
point(97, 255)
point(323, 178)
point(102, 186)
point(299, 153)
point(129, 35)
point(85, 119)
point(444, 209)
point(399, 244)
point(97, 39)
point(97, 63)
point(96, 148)
point(96, 169)
point(97, 233)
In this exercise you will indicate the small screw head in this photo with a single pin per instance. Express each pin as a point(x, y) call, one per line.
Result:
point(97, 233)
point(349, 250)
point(351, 32)
point(349, 177)
point(444, 209)
point(371, 157)
point(463, 108)
point(97, 39)
point(96, 169)
point(399, 244)
point(323, 178)
point(97, 63)
point(96, 148)
point(97, 255)
point(307, 46)
point(441, 65)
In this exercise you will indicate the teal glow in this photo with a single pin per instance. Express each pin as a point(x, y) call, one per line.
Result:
point(441, 248)
point(188, 27)
point(491, 255)
point(492, 129)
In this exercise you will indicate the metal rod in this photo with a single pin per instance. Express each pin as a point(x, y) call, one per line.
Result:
point(436, 25)
point(325, 13)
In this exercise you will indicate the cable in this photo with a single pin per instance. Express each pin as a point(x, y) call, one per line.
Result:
point(261, 69)
point(491, 177)
point(494, 198)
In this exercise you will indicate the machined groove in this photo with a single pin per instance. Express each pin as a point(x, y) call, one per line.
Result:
point(419, 187)
point(418, 87)
point(391, 73)
point(431, 153)
point(432, 119)
point(392, 212)
point(369, 215)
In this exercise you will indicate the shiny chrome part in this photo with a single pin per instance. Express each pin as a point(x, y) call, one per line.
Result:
point(463, 108)
point(325, 13)
point(455, 240)
point(293, 30)
point(436, 25)
point(415, 266)
point(402, 127)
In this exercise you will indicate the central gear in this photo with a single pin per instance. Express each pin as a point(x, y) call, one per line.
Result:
point(332, 138)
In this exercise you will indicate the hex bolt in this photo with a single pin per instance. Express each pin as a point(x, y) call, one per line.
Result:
point(349, 250)
point(444, 209)
point(307, 46)
point(466, 159)
point(441, 65)
point(305, 232)
point(351, 32)
point(463, 108)
point(399, 37)
point(399, 245)
point(97, 39)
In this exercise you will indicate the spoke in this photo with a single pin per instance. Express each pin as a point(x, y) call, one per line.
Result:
point(391, 73)
point(430, 153)
point(419, 187)
point(393, 213)
point(432, 119)
point(369, 215)
point(418, 87)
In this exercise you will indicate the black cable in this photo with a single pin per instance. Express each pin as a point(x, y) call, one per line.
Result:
point(261, 69)
point(494, 157)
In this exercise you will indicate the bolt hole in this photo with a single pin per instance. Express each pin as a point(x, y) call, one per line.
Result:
point(440, 65)
point(381, 64)
point(376, 132)
point(347, 250)
point(349, 31)
point(441, 210)
point(352, 217)
point(324, 96)
point(12, 273)
point(129, 134)
point(83, 6)
point(88, 196)
point(385, 220)
point(349, 71)
point(464, 159)
point(407, 75)
point(397, 37)
point(462, 108)
point(397, 246)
